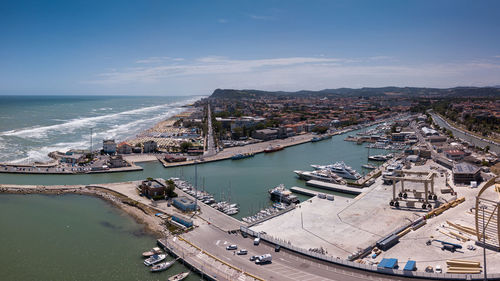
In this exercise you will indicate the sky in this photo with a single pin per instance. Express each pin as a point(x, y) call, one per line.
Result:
point(193, 47)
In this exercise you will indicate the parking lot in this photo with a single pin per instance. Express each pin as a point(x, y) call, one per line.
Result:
point(285, 265)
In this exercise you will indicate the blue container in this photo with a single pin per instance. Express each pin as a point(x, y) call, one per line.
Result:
point(410, 266)
point(388, 264)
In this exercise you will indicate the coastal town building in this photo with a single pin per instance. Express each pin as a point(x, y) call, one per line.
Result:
point(437, 139)
point(72, 158)
point(184, 204)
point(182, 220)
point(117, 161)
point(109, 147)
point(124, 148)
point(172, 158)
point(454, 154)
point(149, 146)
point(152, 189)
point(465, 173)
point(265, 134)
point(429, 132)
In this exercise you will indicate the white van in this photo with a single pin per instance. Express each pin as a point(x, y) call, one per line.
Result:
point(256, 241)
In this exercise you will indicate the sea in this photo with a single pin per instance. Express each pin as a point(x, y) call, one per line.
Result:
point(33, 126)
point(73, 237)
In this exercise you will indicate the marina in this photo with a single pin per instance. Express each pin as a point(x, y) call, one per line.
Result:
point(250, 178)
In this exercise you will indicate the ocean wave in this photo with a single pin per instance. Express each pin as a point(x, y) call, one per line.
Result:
point(71, 125)
point(45, 139)
point(126, 130)
point(41, 154)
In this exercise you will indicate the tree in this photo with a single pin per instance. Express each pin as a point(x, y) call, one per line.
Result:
point(185, 146)
point(170, 188)
point(320, 129)
point(487, 148)
point(393, 128)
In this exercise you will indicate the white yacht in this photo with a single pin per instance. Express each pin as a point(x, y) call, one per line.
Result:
point(154, 259)
point(341, 169)
point(378, 158)
point(321, 175)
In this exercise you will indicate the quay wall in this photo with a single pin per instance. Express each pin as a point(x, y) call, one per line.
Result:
point(334, 187)
point(191, 266)
point(370, 268)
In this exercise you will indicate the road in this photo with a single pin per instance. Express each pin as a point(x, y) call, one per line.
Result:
point(286, 265)
point(210, 134)
point(459, 133)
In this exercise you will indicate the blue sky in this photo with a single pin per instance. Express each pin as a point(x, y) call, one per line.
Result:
point(193, 47)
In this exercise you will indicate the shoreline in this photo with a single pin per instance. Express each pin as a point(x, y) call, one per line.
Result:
point(136, 210)
point(51, 162)
point(224, 154)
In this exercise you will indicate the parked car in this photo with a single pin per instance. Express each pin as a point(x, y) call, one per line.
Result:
point(242, 252)
point(256, 241)
point(253, 258)
point(277, 248)
point(231, 247)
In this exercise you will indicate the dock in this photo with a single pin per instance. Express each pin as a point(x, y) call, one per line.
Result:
point(303, 191)
point(334, 187)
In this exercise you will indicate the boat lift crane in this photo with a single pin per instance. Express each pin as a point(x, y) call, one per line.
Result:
point(448, 245)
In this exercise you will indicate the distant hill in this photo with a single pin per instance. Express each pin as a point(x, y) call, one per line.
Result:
point(365, 92)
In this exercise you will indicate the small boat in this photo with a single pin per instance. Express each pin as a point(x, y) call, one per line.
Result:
point(154, 259)
point(179, 276)
point(378, 158)
point(242, 156)
point(155, 250)
point(369, 166)
point(273, 148)
point(162, 266)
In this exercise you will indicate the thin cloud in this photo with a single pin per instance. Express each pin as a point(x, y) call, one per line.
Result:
point(380, 58)
point(222, 21)
point(204, 66)
point(261, 17)
point(292, 73)
point(157, 60)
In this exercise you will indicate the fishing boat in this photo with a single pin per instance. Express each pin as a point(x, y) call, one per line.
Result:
point(369, 166)
point(154, 251)
point(281, 194)
point(273, 148)
point(280, 206)
point(154, 259)
point(179, 276)
point(320, 138)
point(242, 156)
point(162, 266)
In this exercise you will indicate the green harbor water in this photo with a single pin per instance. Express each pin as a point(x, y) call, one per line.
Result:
point(244, 181)
point(72, 237)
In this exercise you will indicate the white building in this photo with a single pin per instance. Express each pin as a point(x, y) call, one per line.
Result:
point(109, 146)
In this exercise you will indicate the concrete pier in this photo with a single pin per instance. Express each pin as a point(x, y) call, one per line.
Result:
point(334, 187)
point(303, 191)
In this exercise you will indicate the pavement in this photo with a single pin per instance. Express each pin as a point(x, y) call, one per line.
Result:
point(206, 215)
point(286, 265)
point(319, 222)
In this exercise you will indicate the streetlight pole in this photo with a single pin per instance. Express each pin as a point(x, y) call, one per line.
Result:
point(91, 144)
point(484, 243)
